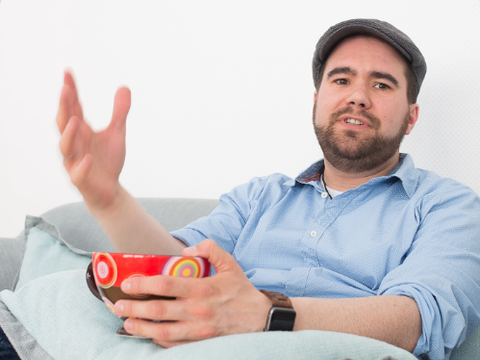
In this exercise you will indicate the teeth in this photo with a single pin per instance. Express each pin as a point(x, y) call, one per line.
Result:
point(353, 121)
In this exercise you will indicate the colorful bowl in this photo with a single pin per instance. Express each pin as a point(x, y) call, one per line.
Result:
point(107, 271)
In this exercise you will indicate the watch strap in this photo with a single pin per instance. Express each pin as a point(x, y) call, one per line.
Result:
point(278, 299)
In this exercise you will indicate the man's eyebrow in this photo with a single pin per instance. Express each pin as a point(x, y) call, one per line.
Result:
point(341, 70)
point(381, 75)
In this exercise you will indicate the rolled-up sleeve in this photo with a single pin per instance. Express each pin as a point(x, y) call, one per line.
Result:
point(441, 271)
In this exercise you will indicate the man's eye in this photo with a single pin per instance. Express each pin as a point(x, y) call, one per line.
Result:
point(341, 81)
point(382, 86)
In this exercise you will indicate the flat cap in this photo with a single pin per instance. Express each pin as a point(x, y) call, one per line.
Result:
point(373, 27)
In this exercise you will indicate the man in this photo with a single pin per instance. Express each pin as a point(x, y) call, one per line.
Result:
point(362, 242)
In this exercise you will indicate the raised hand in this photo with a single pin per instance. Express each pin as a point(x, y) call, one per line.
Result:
point(93, 160)
point(225, 303)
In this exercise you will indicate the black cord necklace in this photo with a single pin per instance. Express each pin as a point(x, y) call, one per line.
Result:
point(325, 186)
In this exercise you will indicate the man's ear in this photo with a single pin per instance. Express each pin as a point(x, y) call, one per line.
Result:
point(315, 96)
point(413, 117)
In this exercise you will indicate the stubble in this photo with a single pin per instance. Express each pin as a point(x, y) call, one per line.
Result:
point(352, 152)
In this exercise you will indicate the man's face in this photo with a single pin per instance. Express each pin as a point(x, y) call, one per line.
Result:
point(361, 111)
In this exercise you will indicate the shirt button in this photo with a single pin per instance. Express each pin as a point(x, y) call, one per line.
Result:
point(324, 194)
point(313, 233)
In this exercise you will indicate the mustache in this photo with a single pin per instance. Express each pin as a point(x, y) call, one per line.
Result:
point(374, 121)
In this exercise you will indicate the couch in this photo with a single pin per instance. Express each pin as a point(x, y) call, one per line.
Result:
point(81, 230)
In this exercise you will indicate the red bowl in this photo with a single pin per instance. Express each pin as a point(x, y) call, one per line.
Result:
point(107, 271)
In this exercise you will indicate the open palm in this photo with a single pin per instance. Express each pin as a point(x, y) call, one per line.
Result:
point(93, 160)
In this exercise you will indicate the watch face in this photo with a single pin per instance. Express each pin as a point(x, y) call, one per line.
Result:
point(281, 319)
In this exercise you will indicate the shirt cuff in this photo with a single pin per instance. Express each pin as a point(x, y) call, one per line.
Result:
point(431, 339)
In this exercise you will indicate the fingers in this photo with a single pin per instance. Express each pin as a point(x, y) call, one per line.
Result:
point(121, 106)
point(151, 309)
point(65, 108)
point(183, 289)
point(70, 82)
point(67, 143)
point(162, 285)
point(69, 103)
point(220, 259)
point(75, 161)
point(167, 334)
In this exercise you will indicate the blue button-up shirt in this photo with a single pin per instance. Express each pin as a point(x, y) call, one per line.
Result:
point(407, 233)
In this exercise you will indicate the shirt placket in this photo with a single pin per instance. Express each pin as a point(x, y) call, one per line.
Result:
point(329, 210)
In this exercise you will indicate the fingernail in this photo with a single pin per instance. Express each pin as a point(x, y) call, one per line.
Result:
point(126, 285)
point(190, 250)
point(127, 325)
point(118, 309)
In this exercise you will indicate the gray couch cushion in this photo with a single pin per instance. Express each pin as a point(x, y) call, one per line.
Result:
point(78, 227)
point(11, 254)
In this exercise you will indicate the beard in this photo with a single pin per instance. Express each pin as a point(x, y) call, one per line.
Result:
point(351, 152)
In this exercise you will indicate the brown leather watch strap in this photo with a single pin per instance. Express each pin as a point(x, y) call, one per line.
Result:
point(278, 299)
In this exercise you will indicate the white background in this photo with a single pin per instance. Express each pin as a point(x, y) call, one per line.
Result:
point(222, 90)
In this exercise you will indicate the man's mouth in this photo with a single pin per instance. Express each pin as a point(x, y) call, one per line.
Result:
point(353, 122)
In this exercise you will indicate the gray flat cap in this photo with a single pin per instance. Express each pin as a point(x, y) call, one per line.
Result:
point(373, 27)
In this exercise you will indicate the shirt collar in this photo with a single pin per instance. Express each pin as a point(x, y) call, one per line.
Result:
point(404, 171)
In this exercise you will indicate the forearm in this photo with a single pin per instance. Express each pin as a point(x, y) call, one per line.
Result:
point(131, 229)
point(393, 319)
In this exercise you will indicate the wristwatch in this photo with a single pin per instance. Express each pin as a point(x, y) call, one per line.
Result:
point(281, 316)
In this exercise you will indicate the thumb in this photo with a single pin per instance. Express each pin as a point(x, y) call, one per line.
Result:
point(121, 106)
point(220, 259)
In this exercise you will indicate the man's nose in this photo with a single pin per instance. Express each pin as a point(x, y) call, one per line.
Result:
point(359, 97)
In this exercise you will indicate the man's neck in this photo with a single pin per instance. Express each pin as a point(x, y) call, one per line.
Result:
point(343, 181)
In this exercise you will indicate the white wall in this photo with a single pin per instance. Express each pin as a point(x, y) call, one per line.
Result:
point(222, 90)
